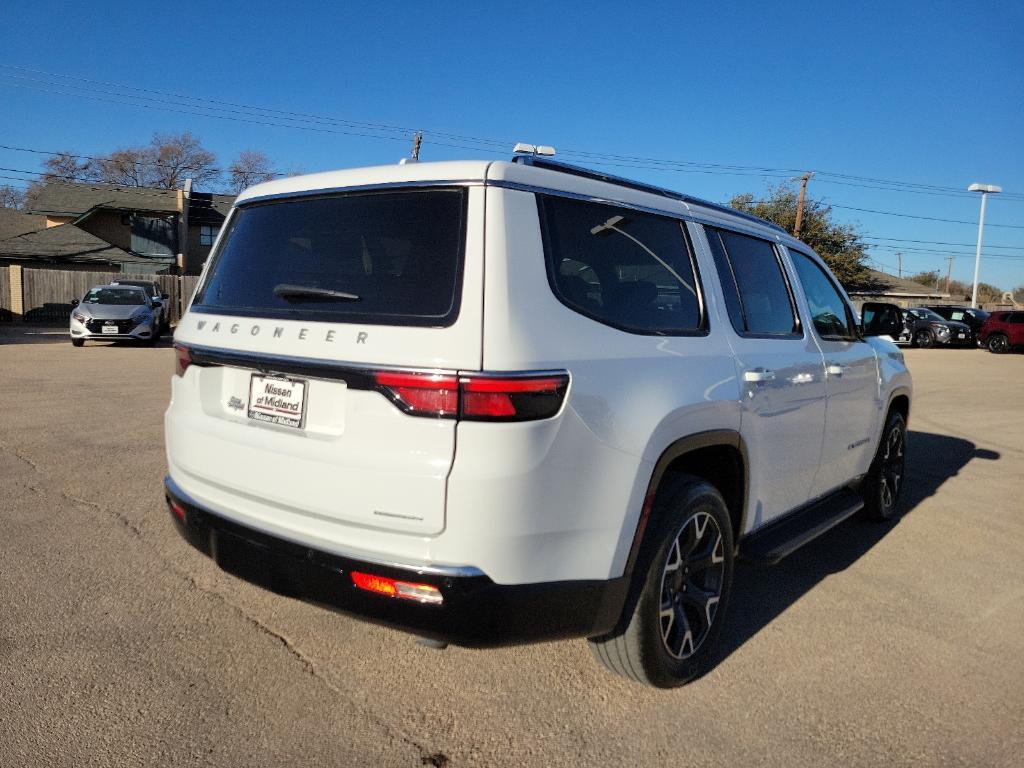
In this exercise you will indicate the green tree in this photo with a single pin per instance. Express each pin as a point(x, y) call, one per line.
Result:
point(839, 245)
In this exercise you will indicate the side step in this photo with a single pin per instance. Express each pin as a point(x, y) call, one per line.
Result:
point(782, 537)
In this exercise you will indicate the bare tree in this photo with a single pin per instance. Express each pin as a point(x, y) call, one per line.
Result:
point(181, 156)
point(251, 167)
point(67, 166)
point(129, 167)
point(11, 197)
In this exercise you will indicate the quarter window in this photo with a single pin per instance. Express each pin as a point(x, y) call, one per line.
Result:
point(757, 296)
point(828, 310)
point(629, 270)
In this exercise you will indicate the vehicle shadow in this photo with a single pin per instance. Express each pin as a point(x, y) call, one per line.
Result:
point(760, 593)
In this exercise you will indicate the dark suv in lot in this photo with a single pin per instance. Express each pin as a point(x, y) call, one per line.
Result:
point(975, 318)
point(1002, 331)
point(924, 328)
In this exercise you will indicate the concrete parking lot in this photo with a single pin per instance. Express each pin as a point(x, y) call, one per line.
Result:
point(878, 644)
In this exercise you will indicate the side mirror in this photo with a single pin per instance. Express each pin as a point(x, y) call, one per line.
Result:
point(881, 319)
point(74, 302)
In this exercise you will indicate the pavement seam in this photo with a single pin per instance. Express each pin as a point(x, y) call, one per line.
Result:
point(19, 455)
point(305, 661)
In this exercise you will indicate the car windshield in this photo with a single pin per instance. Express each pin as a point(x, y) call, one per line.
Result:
point(926, 314)
point(150, 288)
point(126, 296)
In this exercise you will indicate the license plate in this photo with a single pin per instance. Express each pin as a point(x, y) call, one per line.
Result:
point(276, 400)
point(109, 329)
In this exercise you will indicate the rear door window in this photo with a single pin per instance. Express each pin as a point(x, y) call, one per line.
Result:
point(391, 258)
point(757, 295)
point(630, 270)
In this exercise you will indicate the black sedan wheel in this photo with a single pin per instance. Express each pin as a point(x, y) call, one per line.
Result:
point(924, 339)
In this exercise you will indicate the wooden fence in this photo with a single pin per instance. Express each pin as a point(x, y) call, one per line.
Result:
point(48, 293)
point(5, 295)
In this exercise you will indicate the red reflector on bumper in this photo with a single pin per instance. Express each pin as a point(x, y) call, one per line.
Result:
point(381, 585)
point(177, 509)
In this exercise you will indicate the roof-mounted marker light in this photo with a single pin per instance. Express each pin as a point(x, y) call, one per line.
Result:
point(533, 149)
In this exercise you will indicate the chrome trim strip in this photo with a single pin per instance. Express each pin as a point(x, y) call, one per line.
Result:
point(361, 188)
point(436, 570)
point(739, 224)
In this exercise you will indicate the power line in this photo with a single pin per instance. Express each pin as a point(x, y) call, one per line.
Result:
point(284, 118)
point(936, 242)
point(923, 218)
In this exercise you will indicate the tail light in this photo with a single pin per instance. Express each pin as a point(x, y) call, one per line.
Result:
point(516, 397)
point(407, 590)
point(182, 359)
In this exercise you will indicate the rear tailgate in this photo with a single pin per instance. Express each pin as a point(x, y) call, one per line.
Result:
point(305, 302)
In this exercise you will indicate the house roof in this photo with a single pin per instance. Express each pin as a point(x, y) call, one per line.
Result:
point(68, 199)
point(63, 198)
point(883, 284)
point(14, 223)
point(65, 242)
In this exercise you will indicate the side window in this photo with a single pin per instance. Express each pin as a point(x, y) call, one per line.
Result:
point(828, 310)
point(1017, 318)
point(756, 294)
point(626, 269)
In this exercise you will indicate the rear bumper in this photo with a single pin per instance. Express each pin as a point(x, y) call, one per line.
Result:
point(475, 611)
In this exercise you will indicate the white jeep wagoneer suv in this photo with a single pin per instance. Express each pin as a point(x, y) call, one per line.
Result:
point(500, 402)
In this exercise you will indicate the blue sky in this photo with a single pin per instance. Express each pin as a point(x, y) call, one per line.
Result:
point(927, 93)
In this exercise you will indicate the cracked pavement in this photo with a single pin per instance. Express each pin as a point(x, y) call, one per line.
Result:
point(897, 644)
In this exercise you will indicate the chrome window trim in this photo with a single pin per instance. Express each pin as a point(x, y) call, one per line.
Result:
point(298, 194)
point(698, 217)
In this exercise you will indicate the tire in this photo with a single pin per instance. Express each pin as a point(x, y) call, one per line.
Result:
point(884, 483)
point(78, 342)
point(679, 614)
point(998, 344)
point(924, 339)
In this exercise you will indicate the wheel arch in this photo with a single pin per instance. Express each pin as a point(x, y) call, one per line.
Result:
point(719, 457)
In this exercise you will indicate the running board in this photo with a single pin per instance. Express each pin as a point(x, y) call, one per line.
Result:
point(776, 540)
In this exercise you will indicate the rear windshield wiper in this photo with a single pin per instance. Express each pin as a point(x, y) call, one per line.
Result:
point(290, 292)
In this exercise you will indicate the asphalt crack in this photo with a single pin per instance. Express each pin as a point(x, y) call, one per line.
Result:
point(307, 663)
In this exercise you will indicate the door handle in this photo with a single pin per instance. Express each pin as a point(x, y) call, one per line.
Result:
point(832, 369)
point(756, 375)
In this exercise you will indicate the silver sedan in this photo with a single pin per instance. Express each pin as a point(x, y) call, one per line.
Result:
point(114, 313)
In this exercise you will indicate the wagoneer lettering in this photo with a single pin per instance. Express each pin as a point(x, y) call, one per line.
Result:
point(585, 399)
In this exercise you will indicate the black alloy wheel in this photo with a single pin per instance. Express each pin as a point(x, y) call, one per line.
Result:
point(884, 482)
point(691, 585)
point(998, 343)
point(672, 631)
point(924, 339)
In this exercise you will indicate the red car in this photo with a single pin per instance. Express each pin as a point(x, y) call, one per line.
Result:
point(1002, 331)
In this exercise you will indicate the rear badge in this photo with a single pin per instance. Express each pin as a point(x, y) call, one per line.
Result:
point(236, 404)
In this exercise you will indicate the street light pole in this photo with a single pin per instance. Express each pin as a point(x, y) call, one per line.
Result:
point(984, 189)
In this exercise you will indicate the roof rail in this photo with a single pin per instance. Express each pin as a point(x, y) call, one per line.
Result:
point(575, 170)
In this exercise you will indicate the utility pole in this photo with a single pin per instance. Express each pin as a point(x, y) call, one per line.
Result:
point(416, 141)
point(949, 271)
point(899, 263)
point(800, 204)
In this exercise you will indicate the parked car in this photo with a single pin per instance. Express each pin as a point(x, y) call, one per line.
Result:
point(924, 328)
point(113, 313)
point(501, 402)
point(159, 299)
point(1003, 331)
point(974, 318)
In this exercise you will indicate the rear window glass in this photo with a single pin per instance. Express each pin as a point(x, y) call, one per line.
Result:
point(391, 258)
point(630, 270)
